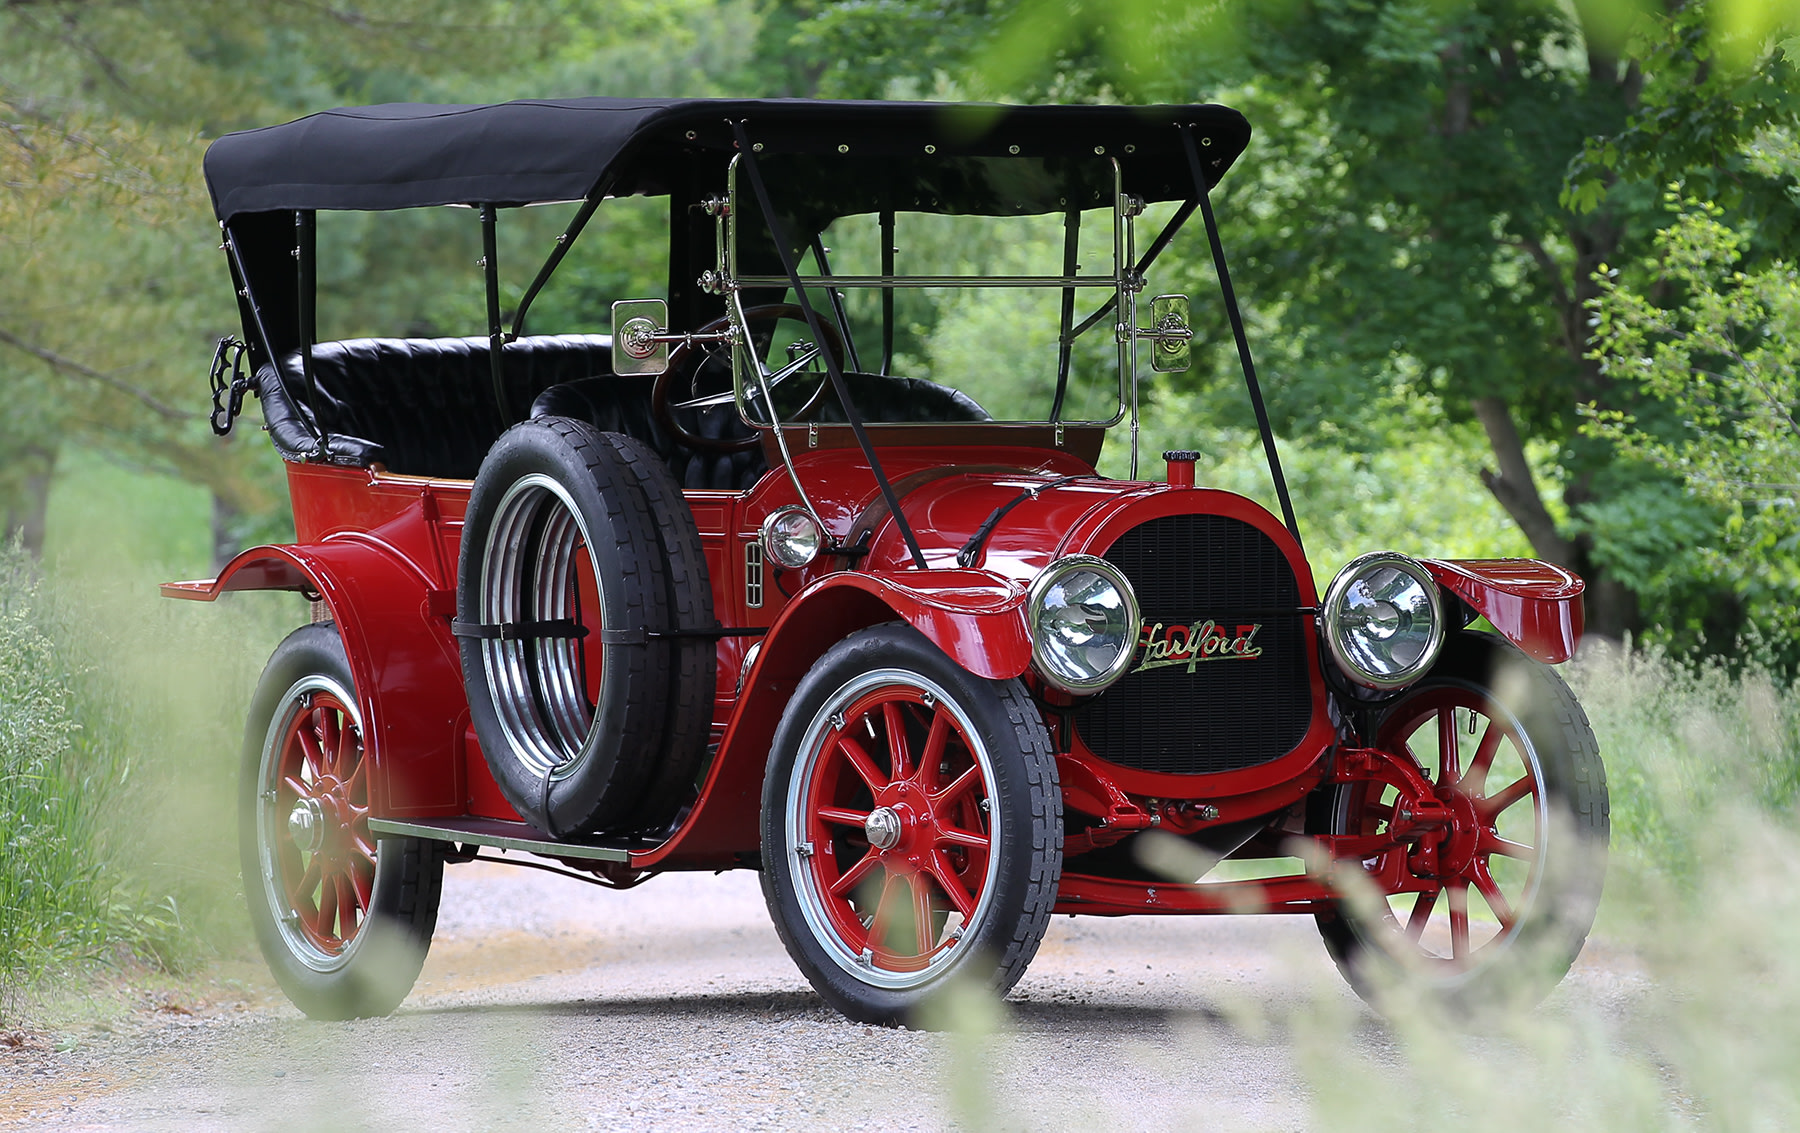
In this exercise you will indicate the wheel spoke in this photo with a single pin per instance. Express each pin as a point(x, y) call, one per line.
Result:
point(859, 759)
point(325, 727)
point(326, 910)
point(308, 881)
point(951, 884)
point(899, 758)
point(1490, 889)
point(295, 785)
point(855, 874)
point(1449, 758)
point(922, 915)
point(842, 816)
point(1496, 803)
point(878, 924)
point(346, 927)
point(1492, 843)
point(935, 741)
point(956, 837)
point(1475, 778)
point(310, 751)
point(347, 747)
point(1421, 913)
point(957, 786)
point(1459, 920)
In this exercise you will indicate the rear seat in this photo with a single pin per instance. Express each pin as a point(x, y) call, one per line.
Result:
point(425, 406)
point(422, 406)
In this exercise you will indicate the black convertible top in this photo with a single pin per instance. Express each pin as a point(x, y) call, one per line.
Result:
point(405, 155)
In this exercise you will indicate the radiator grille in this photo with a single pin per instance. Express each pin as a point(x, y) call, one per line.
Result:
point(1229, 712)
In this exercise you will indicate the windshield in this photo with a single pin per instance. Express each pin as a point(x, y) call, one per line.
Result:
point(972, 275)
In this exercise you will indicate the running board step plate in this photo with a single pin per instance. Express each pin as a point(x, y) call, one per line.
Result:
point(506, 836)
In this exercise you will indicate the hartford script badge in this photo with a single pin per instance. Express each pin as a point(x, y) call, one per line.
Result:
point(1192, 644)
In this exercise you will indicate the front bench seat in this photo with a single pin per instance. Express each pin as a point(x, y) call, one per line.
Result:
point(420, 406)
point(621, 405)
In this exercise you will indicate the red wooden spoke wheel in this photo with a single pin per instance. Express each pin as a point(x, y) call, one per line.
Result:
point(912, 825)
point(322, 855)
point(896, 807)
point(1468, 879)
point(343, 917)
point(1493, 894)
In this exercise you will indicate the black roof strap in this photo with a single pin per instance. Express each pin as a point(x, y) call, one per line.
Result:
point(832, 368)
point(1237, 330)
point(1143, 265)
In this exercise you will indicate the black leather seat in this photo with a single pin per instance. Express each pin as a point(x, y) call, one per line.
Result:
point(621, 405)
point(420, 406)
point(425, 406)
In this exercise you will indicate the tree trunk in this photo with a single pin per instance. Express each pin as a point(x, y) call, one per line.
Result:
point(28, 503)
point(225, 517)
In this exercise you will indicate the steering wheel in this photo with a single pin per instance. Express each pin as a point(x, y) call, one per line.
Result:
point(664, 409)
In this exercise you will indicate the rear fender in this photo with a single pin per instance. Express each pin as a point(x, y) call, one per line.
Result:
point(402, 658)
point(1535, 605)
point(975, 616)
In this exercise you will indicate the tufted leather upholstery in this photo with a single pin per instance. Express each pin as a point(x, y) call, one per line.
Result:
point(425, 406)
point(422, 406)
point(613, 405)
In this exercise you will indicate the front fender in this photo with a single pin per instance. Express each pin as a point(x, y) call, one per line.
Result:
point(402, 658)
point(1534, 604)
point(975, 616)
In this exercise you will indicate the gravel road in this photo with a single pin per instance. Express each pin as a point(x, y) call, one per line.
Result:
point(549, 1004)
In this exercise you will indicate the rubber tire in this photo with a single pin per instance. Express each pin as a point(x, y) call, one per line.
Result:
point(385, 956)
point(1554, 927)
point(605, 787)
point(1029, 800)
point(694, 664)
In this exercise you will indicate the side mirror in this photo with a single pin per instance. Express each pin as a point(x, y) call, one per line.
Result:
point(640, 338)
point(1172, 339)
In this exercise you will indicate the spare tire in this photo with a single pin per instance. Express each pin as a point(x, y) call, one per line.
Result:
point(694, 655)
point(565, 618)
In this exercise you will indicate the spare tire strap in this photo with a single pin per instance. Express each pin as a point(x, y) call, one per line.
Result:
point(519, 631)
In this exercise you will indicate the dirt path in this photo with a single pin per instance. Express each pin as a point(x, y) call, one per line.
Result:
point(548, 1004)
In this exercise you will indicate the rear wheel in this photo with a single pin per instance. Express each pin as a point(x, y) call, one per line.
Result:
point(911, 826)
point(343, 918)
point(1494, 905)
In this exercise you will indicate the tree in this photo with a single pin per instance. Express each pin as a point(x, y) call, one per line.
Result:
point(1722, 359)
point(114, 287)
point(1402, 220)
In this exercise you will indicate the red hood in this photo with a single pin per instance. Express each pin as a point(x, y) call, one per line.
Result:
point(1053, 506)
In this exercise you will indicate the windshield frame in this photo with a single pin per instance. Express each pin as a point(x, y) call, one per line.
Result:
point(750, 375)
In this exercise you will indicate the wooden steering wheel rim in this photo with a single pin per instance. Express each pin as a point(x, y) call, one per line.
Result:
point(664, 411)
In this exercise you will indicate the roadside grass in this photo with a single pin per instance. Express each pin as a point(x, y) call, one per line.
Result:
point(121, 716)
point(1694, 1021)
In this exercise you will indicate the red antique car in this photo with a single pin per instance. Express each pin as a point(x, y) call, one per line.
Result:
point(777, 576)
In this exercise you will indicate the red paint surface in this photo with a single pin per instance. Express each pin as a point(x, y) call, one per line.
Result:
point(1535, 605)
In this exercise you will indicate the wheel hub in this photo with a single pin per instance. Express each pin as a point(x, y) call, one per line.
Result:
point(883, 828)
point(306, 825)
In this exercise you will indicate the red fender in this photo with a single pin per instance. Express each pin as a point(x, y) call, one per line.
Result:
point(975, 616)
point(1534, 604)
point(402, 658)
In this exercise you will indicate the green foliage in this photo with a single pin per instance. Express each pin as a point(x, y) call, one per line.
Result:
point(48, 892)
point(1718, 349)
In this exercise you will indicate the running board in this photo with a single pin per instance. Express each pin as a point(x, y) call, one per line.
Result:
point(503, 835)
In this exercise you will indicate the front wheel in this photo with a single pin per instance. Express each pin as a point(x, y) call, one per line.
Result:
point(343, 918)
point(1493, 904)
point(912, 826)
